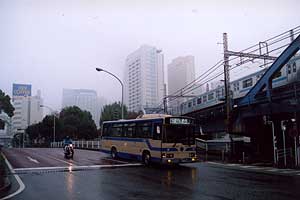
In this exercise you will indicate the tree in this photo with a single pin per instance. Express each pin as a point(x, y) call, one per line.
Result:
point(77, 123)
point(5, 104)
point(113, 112)
point(72, 121)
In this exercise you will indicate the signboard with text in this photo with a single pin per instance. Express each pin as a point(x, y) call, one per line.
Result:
point(179, 121)
point(21, 90)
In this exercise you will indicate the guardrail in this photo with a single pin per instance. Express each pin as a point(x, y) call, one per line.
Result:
point(80, 144)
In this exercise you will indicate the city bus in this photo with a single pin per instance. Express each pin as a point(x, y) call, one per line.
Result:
point(151, 138)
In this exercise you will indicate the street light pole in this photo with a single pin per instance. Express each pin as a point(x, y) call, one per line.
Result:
point(122, 109)
point(53, 120)
point(274, 145)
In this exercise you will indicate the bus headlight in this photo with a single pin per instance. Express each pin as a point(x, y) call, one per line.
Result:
point(170, 155)
point(169, 161)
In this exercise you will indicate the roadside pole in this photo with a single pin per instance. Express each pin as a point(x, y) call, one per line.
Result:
point(296, 156)
point(283, 136)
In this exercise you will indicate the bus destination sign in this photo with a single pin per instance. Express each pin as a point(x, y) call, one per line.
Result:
point(180, 121)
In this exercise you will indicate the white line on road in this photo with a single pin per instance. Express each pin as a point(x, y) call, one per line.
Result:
point(71, 168)
point(33, 160)
point(247, 166)
point(232, 165)
point(115, 160)
point(69, 163)
point(22, 186)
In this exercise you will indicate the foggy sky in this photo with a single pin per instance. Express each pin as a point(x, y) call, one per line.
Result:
point(57, 44)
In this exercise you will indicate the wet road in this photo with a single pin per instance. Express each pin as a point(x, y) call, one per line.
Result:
point(193, 181)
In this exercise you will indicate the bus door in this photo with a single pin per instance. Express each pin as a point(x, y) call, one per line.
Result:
point(157, 133)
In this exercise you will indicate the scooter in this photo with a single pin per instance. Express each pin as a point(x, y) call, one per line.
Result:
point(69, 151)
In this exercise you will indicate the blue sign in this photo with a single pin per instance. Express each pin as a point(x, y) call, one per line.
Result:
point(21, 90)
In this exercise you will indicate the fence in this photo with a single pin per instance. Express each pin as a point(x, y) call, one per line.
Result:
point(213, 149)
point(80, 144)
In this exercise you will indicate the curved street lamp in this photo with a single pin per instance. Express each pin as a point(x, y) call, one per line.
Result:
point(102, 70)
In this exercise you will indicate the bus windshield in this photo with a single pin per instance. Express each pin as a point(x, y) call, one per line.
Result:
point(179, 134)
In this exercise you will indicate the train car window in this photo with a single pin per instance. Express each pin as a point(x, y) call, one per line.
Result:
point(199, 100)
point(294, 67)
point(210, 96)
point(247, 83)
point(257, 77)
point(289, 69)
point(204, 99)
point(190, 104)
point(194, 102)
point(278, 74)
point(236, 86)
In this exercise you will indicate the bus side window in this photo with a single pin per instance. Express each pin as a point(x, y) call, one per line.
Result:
point(129, 130)
point(143, 130)
point(106, 130)
point(117, 130)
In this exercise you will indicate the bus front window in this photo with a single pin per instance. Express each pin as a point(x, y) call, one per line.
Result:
point(179, 134)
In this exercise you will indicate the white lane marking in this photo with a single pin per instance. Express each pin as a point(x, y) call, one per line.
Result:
point(232, 165)
point(255, 168)
point(115, 160)
point(69, 163)
point(21, 184)
point(77, 167)
point(274, 170)
point(33, 160)
point(247, 166)
point(214, 163)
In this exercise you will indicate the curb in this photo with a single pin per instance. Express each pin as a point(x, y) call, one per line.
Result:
point(6, 186)
point(21, 184)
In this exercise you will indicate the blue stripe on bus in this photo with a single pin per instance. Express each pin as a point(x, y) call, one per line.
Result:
point(141, 140)
point(190, 149)
point(131, 156)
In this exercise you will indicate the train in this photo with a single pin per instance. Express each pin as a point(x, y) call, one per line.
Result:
point(289, 73)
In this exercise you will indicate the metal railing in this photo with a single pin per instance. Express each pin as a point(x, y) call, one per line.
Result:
point(80, 144)
point(284, 155)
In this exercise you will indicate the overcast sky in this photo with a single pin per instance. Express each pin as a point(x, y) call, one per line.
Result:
point(57, 44)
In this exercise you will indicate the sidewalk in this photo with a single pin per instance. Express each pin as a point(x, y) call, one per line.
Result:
point(257, 169)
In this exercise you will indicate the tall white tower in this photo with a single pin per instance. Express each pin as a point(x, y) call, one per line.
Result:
point(144, 78)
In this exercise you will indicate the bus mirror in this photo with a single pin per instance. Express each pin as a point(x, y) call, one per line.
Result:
point(157, 129)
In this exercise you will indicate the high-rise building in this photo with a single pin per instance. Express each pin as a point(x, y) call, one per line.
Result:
point(28, 109)
point(144, 78)
point(181, 71)
point(84, 99)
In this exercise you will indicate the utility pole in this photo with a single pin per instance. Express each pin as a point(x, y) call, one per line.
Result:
point(226, 80)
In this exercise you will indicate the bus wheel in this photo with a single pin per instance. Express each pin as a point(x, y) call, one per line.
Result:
point(146, 158)
point(113, 153)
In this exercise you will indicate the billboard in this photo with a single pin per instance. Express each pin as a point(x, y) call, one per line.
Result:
point(21, 90)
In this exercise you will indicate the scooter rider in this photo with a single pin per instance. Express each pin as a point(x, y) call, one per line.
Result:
point(67, 141)
point(68, 147)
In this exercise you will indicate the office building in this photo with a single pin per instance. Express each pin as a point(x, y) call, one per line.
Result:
point(144, 79)
point(181, 71)
point(28, 109)
point(84, 99)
